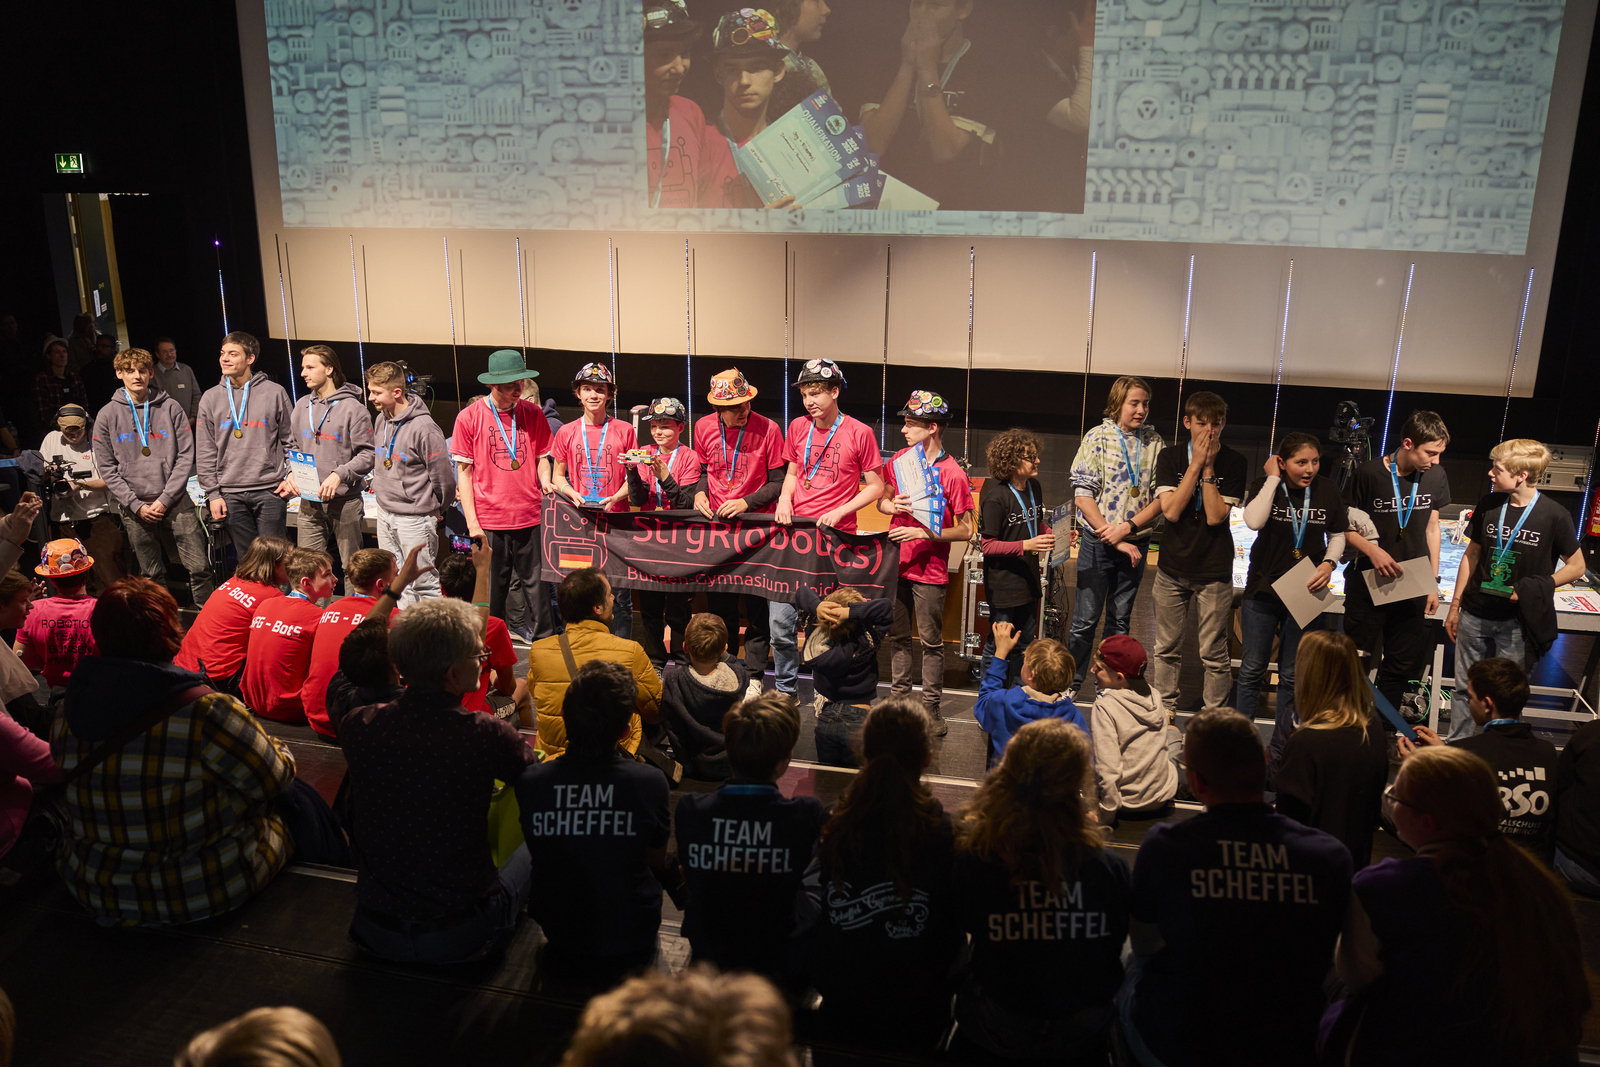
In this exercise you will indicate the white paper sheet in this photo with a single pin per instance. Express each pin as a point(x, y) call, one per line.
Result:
point(1303, 604)
point(1416, 579)
point(303, 469)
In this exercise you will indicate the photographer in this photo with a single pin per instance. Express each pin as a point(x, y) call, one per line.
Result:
point(76, 499)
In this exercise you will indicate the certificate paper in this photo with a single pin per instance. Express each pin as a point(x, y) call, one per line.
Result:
point(924, 488)
point(808, 151)
point(1303, 604)
point(303, 469)
point(1416, 579)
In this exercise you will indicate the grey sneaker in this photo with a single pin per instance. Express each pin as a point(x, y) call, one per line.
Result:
point(753, 690)
point(940, 727)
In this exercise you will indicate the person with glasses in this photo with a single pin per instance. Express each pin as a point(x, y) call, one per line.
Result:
point(1013, 523)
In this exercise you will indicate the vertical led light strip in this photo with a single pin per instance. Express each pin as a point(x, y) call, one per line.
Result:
point(522, 301)
point(1511, 376)
point(355, 295)
point(1088, 346)
point(1283, 342)
point(792, 298)
point(283, 298)
point(366, 295)
point(222, 290)
point(883, 407)
point(450, 298)
point(611, 266)
point(688, 338)
point(1183, 353)
point(966, 410)
point(1394, 371)
point(1588, 485)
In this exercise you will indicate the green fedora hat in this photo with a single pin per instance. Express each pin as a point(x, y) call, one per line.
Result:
point(506, 365)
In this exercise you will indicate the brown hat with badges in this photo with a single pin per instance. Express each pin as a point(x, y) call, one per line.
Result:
point(730, 389)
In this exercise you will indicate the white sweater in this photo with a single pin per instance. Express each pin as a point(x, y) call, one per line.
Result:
point(1131, 765)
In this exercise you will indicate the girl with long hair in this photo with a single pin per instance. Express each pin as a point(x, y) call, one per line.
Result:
point(1297, 516)
point(218, 638)
point(1472, 917)
point(1336, 763)
point(1045, 903)
point(885, 942)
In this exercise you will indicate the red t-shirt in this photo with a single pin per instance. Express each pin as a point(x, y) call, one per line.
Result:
point(700, 171)
point(682, 464)
point(606, 476)
point(502, 657)
point(279, 656)
point(741, 457)
point(929, 561)
point(221, 632)
point(333, 626)
point(56, 636)
point(505, 499)
point(834, 471)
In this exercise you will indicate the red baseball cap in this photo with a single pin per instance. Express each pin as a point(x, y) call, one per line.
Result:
point(1124, 655)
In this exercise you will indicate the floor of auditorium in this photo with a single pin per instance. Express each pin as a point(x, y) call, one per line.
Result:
point(86, 995)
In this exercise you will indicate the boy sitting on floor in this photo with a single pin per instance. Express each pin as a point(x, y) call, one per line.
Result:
point(281, 634)
point(1047, 669)
point(56, 635)
point(842, 653)
point(1133, 744)
point(694, 701)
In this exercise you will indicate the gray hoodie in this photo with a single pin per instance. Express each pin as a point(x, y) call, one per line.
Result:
point(134, 478)
point(421, 480)
point(180, 384)
point(338, 431)
point(1131, 764)
point(258, 460)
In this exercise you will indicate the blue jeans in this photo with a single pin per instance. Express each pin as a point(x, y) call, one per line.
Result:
point(1577, 877)
point(474, 936)
point(838, 733)
point(1108, 581)
point(1476, 639)
point(1026, 620)
point(1259, 620)
point(784, 620)
point(622, 614)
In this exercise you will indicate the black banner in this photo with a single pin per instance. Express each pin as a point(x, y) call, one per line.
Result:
point(682, 551)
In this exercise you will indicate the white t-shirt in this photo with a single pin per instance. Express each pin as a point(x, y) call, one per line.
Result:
point(83, 503)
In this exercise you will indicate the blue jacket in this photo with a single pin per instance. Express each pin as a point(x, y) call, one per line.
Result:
point(1002, 712)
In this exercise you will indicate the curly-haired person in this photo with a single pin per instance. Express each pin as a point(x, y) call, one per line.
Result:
point(1011, 522)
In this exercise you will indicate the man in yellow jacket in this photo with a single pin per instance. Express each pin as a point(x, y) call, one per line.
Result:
point(585, 600)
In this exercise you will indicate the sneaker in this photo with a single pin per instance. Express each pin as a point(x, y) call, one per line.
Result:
point(940, 727)
point(753, 690)
point(524, 637)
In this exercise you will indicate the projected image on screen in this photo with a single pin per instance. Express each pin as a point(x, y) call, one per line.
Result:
point(1416, 125)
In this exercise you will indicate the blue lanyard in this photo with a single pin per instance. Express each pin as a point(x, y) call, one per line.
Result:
point(301, 595)
point(1501, 722)
point(593, 495)
point(238, 419)
point(1027, 509)
point(722, 437)
point(511, 441)
point(1304, 520)
point(316, 435)
point(142, 431)
point(748, 789)
point(810, 432)
point(1199, 490)
point(661, 494)
point(1504, 549)
point(388, 459)
point(1394, 479)
point(666, 146)
point(1135, 470)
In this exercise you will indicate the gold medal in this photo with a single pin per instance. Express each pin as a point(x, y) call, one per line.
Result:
point(516, 464)
point(145, 450)
point(388, 463)
point(806, 483)
point(1134, 493)
point(238, 433)
point(1295, 553)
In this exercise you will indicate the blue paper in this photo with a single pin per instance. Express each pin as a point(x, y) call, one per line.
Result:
point(807, 151)
point(1387, 709)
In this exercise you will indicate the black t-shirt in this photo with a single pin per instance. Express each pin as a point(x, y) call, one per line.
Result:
point(1333, 780)
point(1525, 769)
point(1045, 166)
point(1270, 557)
point(1372, 490)
point(1042, 951)
point(1578, 798)
point(1249, 904)
point(975, 96)
point(1544, 541)
point(1191, 547)
point(1012, 580)
point(744, 851)
point(590, 825)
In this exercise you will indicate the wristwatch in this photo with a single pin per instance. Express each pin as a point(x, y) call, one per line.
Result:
point(391, 593)
point(1211, 481)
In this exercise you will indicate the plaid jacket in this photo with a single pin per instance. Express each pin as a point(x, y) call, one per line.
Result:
point(1101, 471)
point(179, 824)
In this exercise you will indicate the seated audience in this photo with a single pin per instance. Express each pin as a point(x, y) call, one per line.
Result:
point(1470, 914)
point(1577, 806)
point(56, 635)
point(371, 571)
point(281, 633)
point(25, 764)
point(216, 642)
point(883, 949)
point(1133, 767)
point(1526, 766)
point(181, 806)
point(1045, 903)
point(1044, 692)
point(1336, 762)
point(699, 1018)
point(586, 603)
point(422, 769)
point(18, 686)
point(746, 846)
point(1235, 914)
point(841, 651)
point(458, 577)
point(596, 824)
point(694, 699)
point(265, 1037)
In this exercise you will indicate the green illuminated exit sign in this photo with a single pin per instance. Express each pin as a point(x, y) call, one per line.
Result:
point(69, 162)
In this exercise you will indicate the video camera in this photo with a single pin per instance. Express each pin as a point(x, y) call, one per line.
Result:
point(416, 383)
point(1349, 428)
point(55, 480)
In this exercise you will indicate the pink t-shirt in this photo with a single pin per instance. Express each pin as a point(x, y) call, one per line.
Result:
point(56, 636)
point(736, 461)
point(834, 472)
point(929, 561)
point(505, 499)
point(682, 464)
point(700, 169)
point(605, 476)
